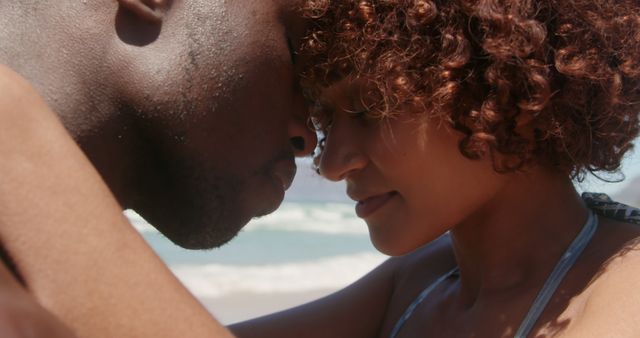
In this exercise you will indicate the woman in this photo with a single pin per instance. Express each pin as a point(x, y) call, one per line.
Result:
point(462, 124)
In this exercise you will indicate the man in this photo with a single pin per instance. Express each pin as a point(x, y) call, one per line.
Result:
point(189, 111)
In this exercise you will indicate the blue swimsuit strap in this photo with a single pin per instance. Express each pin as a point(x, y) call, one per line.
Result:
point(557, 275)
point(603, 205)
point(562, 267)
point(417, 301)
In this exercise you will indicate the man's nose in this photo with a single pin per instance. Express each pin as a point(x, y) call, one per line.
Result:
point(302, 136)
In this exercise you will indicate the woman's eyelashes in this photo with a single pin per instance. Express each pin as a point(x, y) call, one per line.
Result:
point(358, 108)
point(361, 116)
point(322, 120)
point(358, 114)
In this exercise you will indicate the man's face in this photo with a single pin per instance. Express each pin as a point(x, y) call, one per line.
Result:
point(218, 109)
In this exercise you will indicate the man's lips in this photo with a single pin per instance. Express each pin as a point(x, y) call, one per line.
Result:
point(279, 179)
point(284, 172)
point(369, 205)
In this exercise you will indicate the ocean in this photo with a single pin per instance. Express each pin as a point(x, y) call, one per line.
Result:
point(312, 245)
point(302, 247)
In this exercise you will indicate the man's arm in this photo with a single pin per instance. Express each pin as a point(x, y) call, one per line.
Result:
point(354, 312)
point(65, 231)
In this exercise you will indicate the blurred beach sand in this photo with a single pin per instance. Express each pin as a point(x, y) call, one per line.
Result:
point(312, 246)
point(233, 308)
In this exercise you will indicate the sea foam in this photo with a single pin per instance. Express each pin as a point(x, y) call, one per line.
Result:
point(217, 280)
point(327, 218)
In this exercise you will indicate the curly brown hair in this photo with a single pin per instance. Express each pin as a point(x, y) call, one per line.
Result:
point(554, 82)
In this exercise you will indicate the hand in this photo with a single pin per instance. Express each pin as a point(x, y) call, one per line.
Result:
point(21, 316)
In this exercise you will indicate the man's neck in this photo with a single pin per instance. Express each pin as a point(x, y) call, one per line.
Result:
point(55, 58)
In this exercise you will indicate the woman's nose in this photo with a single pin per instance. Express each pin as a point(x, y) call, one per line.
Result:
point(341, 155)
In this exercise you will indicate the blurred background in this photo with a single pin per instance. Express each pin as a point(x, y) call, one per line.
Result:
point(313, 245)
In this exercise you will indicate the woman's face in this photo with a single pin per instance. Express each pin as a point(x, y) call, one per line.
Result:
point(409, 180)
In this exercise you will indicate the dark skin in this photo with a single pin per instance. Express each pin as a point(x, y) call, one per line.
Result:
point(186, 111)
point(506, 234)
point(595, 289)
point(379, 298)
point(77, 276)
point(167, 88)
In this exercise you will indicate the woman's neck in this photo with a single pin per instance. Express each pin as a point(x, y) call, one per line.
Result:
point(515, 240)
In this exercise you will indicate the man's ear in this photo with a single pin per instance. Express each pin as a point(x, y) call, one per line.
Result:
point(148, 10)
point(139, 22)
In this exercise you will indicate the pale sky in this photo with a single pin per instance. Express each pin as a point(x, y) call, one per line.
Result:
point(631, 169)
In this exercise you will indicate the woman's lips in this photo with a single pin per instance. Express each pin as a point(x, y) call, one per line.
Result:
point(368, 206)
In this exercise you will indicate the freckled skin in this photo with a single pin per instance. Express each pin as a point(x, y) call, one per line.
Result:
point(188, 118)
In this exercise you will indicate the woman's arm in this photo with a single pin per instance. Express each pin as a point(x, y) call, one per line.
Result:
point(75, 250)
point(365, 309)
point(354, 312)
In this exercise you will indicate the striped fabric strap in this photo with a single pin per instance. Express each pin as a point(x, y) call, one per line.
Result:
point(557, 275)
point(606, 207)
point(409, 311)
point(600, 204)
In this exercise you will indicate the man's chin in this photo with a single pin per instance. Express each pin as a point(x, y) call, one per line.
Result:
point(199, 230)
point(271, 208)
point(204, 238)
point(206, 227)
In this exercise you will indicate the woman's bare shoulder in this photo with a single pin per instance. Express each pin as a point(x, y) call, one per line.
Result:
point(611, 302)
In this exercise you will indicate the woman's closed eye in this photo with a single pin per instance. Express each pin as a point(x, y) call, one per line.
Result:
point(321, 120)
point(360, 115)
